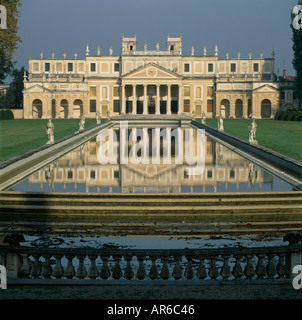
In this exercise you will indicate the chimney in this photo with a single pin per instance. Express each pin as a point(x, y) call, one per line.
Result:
point(284, 74)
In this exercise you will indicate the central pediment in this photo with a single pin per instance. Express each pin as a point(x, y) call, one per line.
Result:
point(152, 71)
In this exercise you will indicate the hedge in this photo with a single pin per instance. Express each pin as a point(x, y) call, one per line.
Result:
point(6, 115)
point(289, 115)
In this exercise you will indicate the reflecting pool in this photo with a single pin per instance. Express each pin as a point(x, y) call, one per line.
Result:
point(151, 160)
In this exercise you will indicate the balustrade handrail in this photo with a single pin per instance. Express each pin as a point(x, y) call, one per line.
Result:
point(116, 263)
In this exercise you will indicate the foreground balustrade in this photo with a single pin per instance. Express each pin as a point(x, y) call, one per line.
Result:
point(116, 264)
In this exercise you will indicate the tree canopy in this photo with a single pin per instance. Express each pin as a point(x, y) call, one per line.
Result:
point(9, 38)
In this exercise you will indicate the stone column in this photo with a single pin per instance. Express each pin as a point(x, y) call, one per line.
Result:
point(123, 111)
point(134, 103)
point(169, 99)
point(179, 100)
point(145, 100)
point(245, 108)
point(157, 106)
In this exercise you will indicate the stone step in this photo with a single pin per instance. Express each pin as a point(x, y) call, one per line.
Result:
point(130, 210)
point(141, 202)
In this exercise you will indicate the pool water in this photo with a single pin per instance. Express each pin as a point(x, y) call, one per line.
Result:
point(151, 160)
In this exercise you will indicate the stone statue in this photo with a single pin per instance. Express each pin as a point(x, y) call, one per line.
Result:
point(252, 132)
point(220, 123)
point(50, 132)
point(157, 46)
point(110, 51)
point(49, 175)
point(203, 117)
point(98, 117)
point(108, 115)
point(193, 114)
point(82, 123)
point(192, 51)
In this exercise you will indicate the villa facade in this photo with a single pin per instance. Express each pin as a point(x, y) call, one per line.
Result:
point(151, 82)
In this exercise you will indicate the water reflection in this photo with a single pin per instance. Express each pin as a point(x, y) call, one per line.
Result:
point(81, 171)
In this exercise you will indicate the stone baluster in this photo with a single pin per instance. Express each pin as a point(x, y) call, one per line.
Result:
point(165, 274)
point(105, 272)
point(249, 270)
point(128, 273)
point(189, 273)
point(261, 270)
point(69, 271)
point(201, 272)
point(81, 270)
point(177, 273)
point(226, 271)
point(117, 272)
point(35, 270)
point(271, 270)
point(25, 267)
point(282, 268)
point(141, 272)
point(58, 270)
point(93, 270)
point(46, 267)
point(238, 271)
point(213, 268)
point(153, 274)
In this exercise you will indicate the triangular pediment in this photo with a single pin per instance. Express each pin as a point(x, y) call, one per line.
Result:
point(150, 171)
point(152, 71)
point(265, 88)
point(36, 89)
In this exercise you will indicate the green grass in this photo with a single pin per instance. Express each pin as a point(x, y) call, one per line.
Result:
point(281, 136)
point(21, 135)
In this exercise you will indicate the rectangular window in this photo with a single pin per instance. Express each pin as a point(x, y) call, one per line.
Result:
point(209, 105)
point(47, 66)
point(70, 66)
point(116, 67)
point(92, 67)
point(256, 67)
point(92, 174)
point(282, 95)
point(294, 95)
point(186, 105)
point(92, 105)
point(69, 174)
point(187, 67)
point(210, 67)
point(116, 105)
point(233, 67)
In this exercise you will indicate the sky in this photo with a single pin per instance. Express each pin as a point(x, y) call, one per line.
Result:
point(234, 25)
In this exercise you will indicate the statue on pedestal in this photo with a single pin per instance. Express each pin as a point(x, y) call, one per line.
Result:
point(98, 117)
point(108, 115)
point(220, 123)
point(203, 117)
point(252, 132)
point(50, 132)
point(82, 123)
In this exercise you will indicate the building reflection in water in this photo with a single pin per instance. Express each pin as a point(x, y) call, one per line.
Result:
point(81, 171)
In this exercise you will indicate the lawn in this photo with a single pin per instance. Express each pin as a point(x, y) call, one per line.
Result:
point(281, 136)
point(21, 135)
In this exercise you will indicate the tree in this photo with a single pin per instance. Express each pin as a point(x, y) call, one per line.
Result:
point(14, 96)
point(297, 61)
point(8, 37)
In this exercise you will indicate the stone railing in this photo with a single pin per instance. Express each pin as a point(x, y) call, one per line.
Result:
point(115, 264)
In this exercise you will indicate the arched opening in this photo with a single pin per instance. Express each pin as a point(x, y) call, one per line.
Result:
point(238, 108)
point(77, 108)
point(64, 109)
point(53, 108)
point(266, 107)
point(37, 108)
point(225, 108)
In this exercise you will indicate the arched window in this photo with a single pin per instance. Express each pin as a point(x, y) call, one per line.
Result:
point(37, 107)
point(238, 108)
point(225, 108)
point(64, 109)
point(266, 108)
